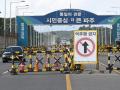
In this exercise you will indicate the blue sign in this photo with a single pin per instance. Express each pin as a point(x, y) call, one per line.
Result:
point(65, 17)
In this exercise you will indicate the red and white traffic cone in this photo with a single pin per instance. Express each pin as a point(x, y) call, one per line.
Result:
point(21, 68)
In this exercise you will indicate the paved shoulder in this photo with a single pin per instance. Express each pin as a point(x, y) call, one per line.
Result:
point(95, 82)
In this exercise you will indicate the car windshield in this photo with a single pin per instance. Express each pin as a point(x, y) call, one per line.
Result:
point(10, 49)
point(17, 49)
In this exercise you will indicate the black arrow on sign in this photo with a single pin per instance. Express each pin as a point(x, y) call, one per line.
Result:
point(85, 46)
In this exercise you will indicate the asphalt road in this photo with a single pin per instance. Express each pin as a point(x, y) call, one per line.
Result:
point(4, 67)
point(39, 81)
point(90, 79)
point(95, 82)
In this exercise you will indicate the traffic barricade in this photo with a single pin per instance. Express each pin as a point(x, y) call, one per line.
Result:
point(36, 65)
point(111, 65)
point(40, 57)
point(48, 64)
point(13, 70)
point(30, 67)
point(57, 65)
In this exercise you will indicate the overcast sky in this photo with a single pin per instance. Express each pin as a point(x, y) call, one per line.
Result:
point(42, 7)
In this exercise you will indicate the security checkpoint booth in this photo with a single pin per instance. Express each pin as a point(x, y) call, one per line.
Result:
point(82, 30)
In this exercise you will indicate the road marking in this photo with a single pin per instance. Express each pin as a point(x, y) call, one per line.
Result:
point(5, 72)
point(113, 68)
point(68, 82)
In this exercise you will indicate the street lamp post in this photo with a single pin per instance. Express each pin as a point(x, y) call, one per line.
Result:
point(21, 7)
point(16, 13)
point(11, 20)
point(5, 25)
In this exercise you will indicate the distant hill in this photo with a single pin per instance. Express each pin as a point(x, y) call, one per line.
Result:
point(63, 34)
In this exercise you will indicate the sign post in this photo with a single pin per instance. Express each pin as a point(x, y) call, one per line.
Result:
point(85, 47)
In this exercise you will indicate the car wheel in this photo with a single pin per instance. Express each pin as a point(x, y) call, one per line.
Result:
point(4, 60)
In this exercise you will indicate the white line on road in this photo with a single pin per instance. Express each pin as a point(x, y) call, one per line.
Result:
point(5, 72)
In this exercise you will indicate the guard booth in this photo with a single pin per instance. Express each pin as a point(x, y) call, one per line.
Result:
point(43, 30)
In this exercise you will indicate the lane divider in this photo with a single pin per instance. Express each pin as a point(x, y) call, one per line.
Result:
point(68, 82)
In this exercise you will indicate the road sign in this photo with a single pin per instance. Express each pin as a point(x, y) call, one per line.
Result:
point(85, 47)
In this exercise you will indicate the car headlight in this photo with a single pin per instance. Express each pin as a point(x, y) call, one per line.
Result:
point(21, 55)
point(3, 55)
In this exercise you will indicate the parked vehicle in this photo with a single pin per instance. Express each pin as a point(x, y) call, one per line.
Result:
point(16, 51)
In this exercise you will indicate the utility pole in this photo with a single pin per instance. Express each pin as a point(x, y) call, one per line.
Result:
point(5, 25)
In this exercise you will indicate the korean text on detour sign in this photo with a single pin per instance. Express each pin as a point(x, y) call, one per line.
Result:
point(85, 33)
